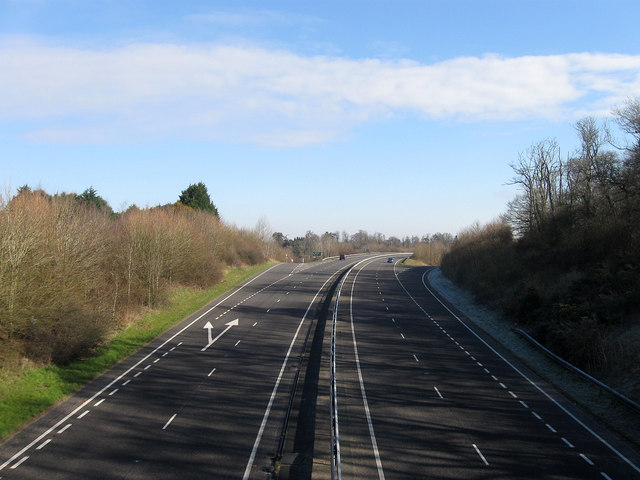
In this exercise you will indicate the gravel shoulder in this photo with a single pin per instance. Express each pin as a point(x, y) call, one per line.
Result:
point(610, 412)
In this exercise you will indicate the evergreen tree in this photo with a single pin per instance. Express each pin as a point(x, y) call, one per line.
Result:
point(197, 197)
point(90, 197)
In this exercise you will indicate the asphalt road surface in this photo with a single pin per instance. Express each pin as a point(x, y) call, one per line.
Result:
point(422, 395)
point(419, 394)
point(195, 403)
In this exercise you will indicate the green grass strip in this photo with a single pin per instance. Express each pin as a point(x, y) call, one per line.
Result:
point(25, 396)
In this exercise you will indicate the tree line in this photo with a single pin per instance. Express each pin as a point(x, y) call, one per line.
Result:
point(72, 272)
point(564, 260)
point(428, 248)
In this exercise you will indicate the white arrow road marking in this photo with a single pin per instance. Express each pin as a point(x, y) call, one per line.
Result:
point(208, 326)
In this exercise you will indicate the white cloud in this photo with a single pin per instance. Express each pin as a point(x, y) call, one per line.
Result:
point(244, 94)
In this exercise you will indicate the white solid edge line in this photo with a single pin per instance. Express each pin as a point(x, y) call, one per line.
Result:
point(582, 424)
point(97, 394)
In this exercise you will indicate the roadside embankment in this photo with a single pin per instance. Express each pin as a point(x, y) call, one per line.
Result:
point(586, 394)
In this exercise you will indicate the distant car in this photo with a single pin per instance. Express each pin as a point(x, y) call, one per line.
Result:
point(343, 256)
point(389, 260)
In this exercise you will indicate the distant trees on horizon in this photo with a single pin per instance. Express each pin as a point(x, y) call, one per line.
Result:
point(335, 243)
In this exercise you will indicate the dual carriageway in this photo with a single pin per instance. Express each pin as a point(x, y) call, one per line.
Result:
point(251, 386)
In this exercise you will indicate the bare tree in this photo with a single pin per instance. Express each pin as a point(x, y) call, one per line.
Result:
point(628, 118)
point(360, 239)
point(265, 234)
point(329, 241)
point(539, 173)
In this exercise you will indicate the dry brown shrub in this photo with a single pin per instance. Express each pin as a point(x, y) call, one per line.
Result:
point(70, 274)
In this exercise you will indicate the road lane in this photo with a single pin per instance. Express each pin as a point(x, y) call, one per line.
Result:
point(175, 409)
point(558, 414)
point(442, 403)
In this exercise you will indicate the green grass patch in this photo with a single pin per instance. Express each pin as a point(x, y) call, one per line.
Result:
point(411, 262)
point(25, 396)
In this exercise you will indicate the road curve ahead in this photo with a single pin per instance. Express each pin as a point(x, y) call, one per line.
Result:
point(420, 394)
point(205, 400)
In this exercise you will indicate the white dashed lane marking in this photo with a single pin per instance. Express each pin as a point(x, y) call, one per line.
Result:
point(20, 462)
point(62, 430)
point(169, 421)
point(511, 393)
point(587, 459)
point(480, 454)
point(43, 444)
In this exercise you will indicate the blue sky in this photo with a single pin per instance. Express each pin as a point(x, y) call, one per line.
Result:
point(395, 117)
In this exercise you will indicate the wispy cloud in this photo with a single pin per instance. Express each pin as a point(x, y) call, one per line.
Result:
point(251, 18)
point(244, 94)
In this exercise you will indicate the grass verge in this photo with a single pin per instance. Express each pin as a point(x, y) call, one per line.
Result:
point(411, 262)
point(25, 396)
